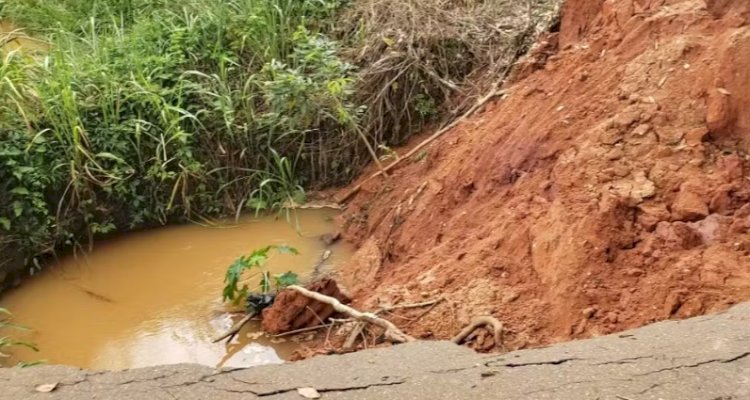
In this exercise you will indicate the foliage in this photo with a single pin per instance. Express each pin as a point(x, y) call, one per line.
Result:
point(145, 112)
point(421, 60)
point(7, 342)
point(256, 261)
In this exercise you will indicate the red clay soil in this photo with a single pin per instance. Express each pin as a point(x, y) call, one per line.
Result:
point(608, 190)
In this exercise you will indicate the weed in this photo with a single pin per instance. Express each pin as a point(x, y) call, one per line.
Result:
point(256, 261)
point(6, 341)
point(146, 112)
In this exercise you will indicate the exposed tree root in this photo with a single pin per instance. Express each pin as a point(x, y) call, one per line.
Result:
point(409, 305)
point(392, 333)
point(352, 338)
point(497, 328)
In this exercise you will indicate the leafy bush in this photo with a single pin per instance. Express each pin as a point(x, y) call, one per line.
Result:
point(145, 112)
point(256, 261)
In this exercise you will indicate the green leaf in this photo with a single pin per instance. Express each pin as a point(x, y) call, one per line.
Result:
point(110, 156)
point(284, 249)
point(286, 279)
point(20, 190)
point(17, 208)
point(5, 223)
point(257, 204)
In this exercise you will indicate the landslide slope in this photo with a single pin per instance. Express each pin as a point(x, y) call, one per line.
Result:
point(607, 190)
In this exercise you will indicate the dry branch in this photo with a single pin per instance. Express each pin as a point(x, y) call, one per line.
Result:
point(356, 331)
point(497, 328)
point(409, 305)
point(392, 332)
point(303, 330)
point(234, 329)
point(489, 96)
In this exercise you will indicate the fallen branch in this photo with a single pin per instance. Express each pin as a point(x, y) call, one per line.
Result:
point(477, 322)
point(235, 329)
point(408, 305)
point(359, 326)
point(356, 331)
point(427, 311)
point(384, 170)
point(392, 333)
point(303, 330)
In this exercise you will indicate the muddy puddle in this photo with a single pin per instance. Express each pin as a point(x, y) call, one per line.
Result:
point(154, 297)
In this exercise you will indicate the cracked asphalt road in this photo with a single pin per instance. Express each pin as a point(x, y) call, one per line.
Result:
point(704, 358)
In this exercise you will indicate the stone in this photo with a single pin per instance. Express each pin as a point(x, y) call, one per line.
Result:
point(678, 235)
point(696, 136)
point(688, 206)
point(642, 129)
point(615, 154)
point(731, 167)
point(721, 201)
point(652, 213)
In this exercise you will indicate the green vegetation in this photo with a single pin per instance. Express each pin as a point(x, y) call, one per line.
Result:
point(144, 112)
point(256, 261)
point(7, 342)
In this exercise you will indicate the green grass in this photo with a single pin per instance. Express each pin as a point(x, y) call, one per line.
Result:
point(145, 112)
point(6, 340)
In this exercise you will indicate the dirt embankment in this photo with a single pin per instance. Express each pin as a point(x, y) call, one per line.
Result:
point(608, 190)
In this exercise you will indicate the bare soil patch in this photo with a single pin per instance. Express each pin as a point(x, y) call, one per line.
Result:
point(606, 191)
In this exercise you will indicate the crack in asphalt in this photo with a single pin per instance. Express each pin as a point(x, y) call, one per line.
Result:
point(723, 361)
point(267, 393)
point(451, 370)
point(629, 360)
point(331, 389)
point(151, 379)
point(498, 363)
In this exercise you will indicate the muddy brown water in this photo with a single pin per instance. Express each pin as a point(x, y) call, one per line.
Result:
point(154, 297)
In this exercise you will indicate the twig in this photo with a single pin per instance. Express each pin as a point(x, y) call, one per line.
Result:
point(356, 331)
point(315, 315)
point(496, 325)
point(303, 330)
point(427, 311)
point(371, 151)
point(392, 332)
point(411, 305)
point(383, 170)
point(234, 329)
point(317, 268)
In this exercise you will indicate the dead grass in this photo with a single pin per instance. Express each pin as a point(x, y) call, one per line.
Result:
point(428, 60)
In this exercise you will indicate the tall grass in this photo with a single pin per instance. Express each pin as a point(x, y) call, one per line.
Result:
point(144, 112)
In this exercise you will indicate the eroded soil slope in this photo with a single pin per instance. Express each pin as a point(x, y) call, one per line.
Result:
point(607, 190)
